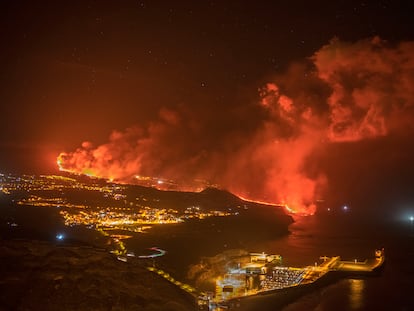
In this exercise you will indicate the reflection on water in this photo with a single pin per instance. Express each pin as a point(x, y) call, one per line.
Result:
point(356, 294)
point(310, 237)
point(353, 237)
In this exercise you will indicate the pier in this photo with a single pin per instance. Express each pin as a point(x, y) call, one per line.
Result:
point(265, 276)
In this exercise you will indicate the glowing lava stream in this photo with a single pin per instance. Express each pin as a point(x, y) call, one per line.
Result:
point(285, 206)
point(89, 173)
point(59, 163)
point(289, 210)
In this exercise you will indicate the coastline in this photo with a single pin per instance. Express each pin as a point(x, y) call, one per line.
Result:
point(279, 298)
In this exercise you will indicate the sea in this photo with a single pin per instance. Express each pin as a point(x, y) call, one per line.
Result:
point(343, 233)
point(346, 234)
point(353, 237)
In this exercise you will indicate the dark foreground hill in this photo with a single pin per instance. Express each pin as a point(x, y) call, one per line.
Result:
point(38, 275)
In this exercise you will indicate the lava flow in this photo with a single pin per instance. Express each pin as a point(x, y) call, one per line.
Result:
point(268, 152)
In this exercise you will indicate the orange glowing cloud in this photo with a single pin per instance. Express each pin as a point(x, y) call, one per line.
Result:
point(346, 92)
point(371, 84)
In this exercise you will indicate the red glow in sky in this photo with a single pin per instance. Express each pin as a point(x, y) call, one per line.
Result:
point(352, 92)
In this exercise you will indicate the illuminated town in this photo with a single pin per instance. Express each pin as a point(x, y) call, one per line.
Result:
point(106, 207)
point(49, 190)
point(117, 213)
point(165, 155)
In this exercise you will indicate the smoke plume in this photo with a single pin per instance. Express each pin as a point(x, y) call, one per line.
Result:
point(345, 92)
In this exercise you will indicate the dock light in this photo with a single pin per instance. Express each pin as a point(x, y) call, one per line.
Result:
point(345, 207)
point(60, 237)
point(411, 218)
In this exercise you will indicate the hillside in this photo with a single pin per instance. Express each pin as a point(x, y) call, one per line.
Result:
point(42, 276)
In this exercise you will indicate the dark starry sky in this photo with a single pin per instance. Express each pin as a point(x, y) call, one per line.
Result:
point(76, 70)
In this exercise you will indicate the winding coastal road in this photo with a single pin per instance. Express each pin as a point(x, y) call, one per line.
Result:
point(158, 253)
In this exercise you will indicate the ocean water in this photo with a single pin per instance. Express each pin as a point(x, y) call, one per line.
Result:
point(349, 235)
point(346, 234)
point(354, 237)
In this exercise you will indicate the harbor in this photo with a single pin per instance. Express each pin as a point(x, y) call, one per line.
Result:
point(265, 278)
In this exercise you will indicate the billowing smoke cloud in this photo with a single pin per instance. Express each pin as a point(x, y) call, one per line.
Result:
point(160, 149)
point(372, 86)
point(344, 92)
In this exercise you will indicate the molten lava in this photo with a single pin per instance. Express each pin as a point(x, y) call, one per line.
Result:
point(266, 152)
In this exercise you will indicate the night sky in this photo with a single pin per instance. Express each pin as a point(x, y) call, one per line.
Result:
point(188, 89)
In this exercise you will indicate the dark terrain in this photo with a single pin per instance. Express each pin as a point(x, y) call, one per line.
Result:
point(38, 275)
